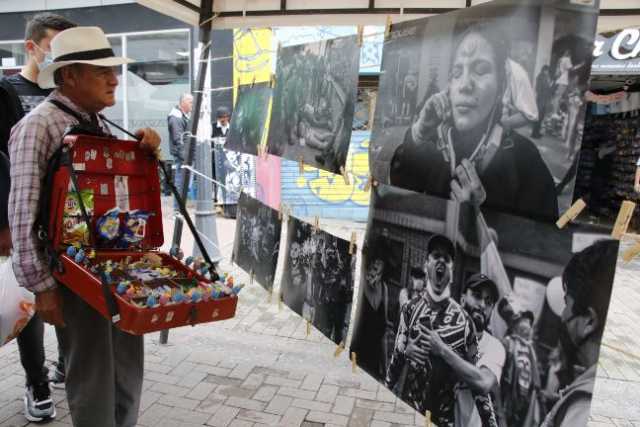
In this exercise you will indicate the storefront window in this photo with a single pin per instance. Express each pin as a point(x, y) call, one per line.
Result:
point(12, 55)
point(156, 80)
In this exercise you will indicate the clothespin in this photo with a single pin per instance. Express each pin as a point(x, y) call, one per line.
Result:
point(253, 82)
point(345, 175)
point(265, 152)
point(280, 214)
point(352, 243)
point(571, 214)
point(367, 185)
point(272, 82)
point(427, 419)
point(387, 28)
point(238, 82)
point(308, 328)
point(360, 37)
point(354, 365)
point(624, 217)
point(339, 349)
point(316, 223)
point(301, 164)
point(632, 252)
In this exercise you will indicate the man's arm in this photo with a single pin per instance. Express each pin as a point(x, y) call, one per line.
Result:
point(479, 379)
point(175, 137)
point(27, 148)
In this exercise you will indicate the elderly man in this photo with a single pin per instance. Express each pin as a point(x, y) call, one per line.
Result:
point(429, 323)
point(104, 364)
point(178, 124)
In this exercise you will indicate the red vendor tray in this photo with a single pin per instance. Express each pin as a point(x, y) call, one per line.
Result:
point(98, 164)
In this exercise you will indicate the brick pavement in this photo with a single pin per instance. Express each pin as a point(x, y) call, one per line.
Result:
point(260, 369)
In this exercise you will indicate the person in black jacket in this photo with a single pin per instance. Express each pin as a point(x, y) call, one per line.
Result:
point(19, 94)
point(220, 130)
point(457, 146)
point(178, 122)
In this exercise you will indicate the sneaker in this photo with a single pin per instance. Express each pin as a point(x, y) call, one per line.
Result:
point(38, 405)
point(56, 380)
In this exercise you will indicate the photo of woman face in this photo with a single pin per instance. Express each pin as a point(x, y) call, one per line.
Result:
point(473, 88)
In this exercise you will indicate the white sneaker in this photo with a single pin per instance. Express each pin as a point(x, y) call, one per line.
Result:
point(38, 405)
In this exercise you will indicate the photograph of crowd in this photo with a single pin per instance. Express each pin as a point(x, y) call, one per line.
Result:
point(249, 118)
point(487, 102)
point(317, 282)
point(482, 317)
point(313, 102)
point(257, 240)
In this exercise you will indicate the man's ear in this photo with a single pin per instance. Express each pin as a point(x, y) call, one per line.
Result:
point(29, 46)
point(592, 322)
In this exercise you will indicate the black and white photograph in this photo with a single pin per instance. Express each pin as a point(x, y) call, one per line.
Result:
point(487, 104)
point(314, 101)
point(257, 241)
point(482, 317)
point(317, 280)
point(249, 118)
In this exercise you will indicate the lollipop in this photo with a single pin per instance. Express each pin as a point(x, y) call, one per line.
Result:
point(188, 261)
point(122, 288)
point(71, 251)
point(151, 301)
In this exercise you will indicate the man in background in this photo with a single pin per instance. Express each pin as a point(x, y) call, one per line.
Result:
point(178, 122)
point(19, 95)
point(220, 130)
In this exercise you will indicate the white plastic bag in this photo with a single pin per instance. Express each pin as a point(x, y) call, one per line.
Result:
point(17, 305)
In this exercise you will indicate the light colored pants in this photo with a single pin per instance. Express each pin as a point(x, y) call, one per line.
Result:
point(104, 367)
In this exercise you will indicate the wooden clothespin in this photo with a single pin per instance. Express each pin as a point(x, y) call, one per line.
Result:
point(345, 175)
point(387, 28)
point(354, 366)
point(253, 82)
point(352, 243)
point(427, 419)
point(238, 82)
point(308, 328)
point(632, 252)
point(571, 214)
point(360, 37)
point(339, 349)
point(272, 82)
point(280, 213)
point(301, 164)
point(367, 185)
point(624, 217)
point(316, 223)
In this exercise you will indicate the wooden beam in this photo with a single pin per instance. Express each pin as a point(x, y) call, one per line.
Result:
point(188, 5)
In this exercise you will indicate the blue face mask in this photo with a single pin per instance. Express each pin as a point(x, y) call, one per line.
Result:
point(46, 61)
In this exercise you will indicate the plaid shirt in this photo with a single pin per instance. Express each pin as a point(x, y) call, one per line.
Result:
point(33, 141)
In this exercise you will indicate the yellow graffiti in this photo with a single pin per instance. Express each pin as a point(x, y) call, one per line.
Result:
point(332, 188)
point(252, 56)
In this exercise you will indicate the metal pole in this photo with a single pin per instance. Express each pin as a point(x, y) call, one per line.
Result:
point(204, 43)
point(205, 209)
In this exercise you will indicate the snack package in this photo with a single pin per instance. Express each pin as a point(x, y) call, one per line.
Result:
point(74, 228)
point(72, 204)
point(108, 225)
point(134, 227)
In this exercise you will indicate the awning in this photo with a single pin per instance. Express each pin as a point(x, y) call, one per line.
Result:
point(614, 14)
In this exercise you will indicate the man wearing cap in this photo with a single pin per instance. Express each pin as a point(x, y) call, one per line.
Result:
point(478, 299)
point(104, 365)
point(425, 378)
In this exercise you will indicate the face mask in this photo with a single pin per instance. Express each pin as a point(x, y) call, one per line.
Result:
point(47, 59)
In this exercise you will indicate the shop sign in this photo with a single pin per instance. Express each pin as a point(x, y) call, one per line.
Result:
point(618, 54)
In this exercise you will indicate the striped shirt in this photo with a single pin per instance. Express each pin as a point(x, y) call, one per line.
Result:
point(33, 142)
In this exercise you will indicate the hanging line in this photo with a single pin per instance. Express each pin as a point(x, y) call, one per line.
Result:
point(208, 178)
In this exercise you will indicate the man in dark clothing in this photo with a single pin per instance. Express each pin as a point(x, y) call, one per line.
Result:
point(178, 122)
point(544, 90)
point(19, 94)
point(220, 130)
point(458, 148)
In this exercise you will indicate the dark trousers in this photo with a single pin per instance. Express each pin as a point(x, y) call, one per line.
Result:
point(330, 319)
point(31, 348)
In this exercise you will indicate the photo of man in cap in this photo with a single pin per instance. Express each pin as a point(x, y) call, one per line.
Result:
point(417, 372)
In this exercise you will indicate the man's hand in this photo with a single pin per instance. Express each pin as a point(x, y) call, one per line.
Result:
point(5, 242)
point(150, 139)
point(414, 350)
point(436, 110)
point(466, 185)
point(49, 307)
point(433, 343)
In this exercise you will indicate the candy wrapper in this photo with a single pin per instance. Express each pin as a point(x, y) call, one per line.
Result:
point(74, 228)
point(72, 204)
point(108, 225)
point(134, 228)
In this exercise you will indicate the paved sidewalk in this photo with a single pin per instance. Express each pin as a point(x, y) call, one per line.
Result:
point(260, 368)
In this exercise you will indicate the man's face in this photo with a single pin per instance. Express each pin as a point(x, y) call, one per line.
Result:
point(93, 86)
point(438, 268)
point(473, 87)
point(479, 303)
point(417, 284)
point(523, 328)
point(38, 50)
point(223, 120)
point(187, 104)
point(374, 274)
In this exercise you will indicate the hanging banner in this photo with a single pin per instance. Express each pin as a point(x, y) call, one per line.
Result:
point(618, 54)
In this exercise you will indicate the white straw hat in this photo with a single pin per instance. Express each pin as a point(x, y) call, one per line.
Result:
point(79, 45)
